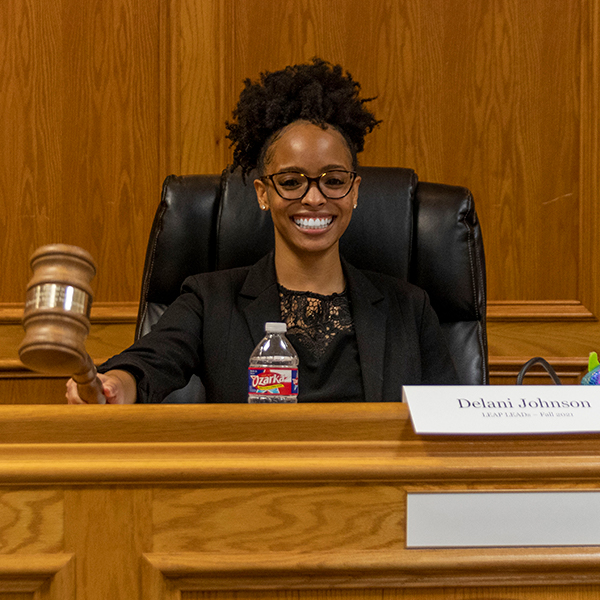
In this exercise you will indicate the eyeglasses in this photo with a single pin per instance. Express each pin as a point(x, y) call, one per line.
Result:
point(292, 185)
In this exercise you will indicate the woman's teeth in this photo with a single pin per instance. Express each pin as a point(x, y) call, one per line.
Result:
point(313, 223)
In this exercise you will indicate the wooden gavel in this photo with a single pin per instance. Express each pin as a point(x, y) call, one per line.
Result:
point(57, 317)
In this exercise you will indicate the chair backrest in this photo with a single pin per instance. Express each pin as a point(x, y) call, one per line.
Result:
point(425, 233)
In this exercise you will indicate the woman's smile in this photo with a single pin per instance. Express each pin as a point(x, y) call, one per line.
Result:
point(316, 224)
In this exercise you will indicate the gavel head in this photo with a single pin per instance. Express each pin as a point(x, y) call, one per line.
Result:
point(57, 310)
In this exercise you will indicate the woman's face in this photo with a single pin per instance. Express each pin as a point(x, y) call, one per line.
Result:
point(313, 223)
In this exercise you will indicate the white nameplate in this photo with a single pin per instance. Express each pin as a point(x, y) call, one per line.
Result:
point(483, 519)
point(508, 409)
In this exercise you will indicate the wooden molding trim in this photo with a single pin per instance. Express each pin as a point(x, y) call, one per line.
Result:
point(398, 568)
point(533, 310)
point(499, 365)
point(102, 312)
point(103, 445)
point(15, 369)
point(499, 310)
point(509, 366)
point(155, 585)
point(85, 464)
point(114, 312)
point(28, 572)
point(372, 424)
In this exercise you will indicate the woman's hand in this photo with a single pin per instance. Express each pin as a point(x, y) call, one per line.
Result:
point(118, 387)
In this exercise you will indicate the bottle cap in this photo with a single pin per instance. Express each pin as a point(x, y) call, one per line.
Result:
point(272, 327)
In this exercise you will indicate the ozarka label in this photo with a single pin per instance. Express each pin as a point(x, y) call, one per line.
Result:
point(278, 382)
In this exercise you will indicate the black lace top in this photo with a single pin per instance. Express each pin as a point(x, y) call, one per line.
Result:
point(322, 331)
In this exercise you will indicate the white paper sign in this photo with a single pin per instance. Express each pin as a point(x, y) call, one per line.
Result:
point(483, 519)
point(508, 409)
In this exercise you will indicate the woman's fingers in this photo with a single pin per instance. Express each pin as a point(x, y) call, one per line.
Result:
point(117, 386)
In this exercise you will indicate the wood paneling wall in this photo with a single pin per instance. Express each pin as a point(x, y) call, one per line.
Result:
point(79, 107)
point(100, 100)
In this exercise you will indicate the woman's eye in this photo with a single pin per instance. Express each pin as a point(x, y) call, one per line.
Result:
point(333, 181)
point(290, 182)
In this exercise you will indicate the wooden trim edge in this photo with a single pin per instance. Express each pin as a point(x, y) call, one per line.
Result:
point(191, 462)
point(102, 312)
point(505, 369)
point(499, 310)
point(397, 568)
point(33, 572)
point(13, 368)
point(28, 565)
point(534, 310)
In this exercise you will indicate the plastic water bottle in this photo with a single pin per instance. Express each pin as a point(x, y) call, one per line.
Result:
point(273, 370)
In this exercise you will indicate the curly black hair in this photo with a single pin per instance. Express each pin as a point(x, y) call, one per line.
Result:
point(318, 92)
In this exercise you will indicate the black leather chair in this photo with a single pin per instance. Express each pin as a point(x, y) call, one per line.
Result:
point(425, 233)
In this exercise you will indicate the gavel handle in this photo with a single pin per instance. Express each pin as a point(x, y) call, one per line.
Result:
point(89, 387)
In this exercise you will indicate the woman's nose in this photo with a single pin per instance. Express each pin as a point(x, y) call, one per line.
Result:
point(314, 197)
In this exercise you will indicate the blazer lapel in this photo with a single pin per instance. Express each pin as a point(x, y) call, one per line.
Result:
point(370, 317)
point(259, 297)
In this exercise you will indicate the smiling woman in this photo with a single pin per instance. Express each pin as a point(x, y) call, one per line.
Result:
point(298, 131)
point(310, 164)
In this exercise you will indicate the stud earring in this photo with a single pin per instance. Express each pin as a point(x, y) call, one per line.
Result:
point(355, 205)
point(263, 207)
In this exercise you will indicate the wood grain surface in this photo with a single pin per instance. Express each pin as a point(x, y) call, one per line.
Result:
point(79, 109)
point(484, 95)
point(445, 593)
point(166, 502)
point(286, 518)
point(101, 101)
point(109, 529)
point(31, 521)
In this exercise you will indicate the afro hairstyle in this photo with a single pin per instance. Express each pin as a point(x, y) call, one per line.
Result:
point(318, 92)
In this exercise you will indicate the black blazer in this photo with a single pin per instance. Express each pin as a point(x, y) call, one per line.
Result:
point(216, 322)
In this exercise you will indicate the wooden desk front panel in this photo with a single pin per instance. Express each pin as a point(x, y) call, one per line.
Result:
point(213, 503)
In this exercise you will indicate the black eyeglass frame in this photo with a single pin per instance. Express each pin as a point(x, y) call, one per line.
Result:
point(310, 180)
